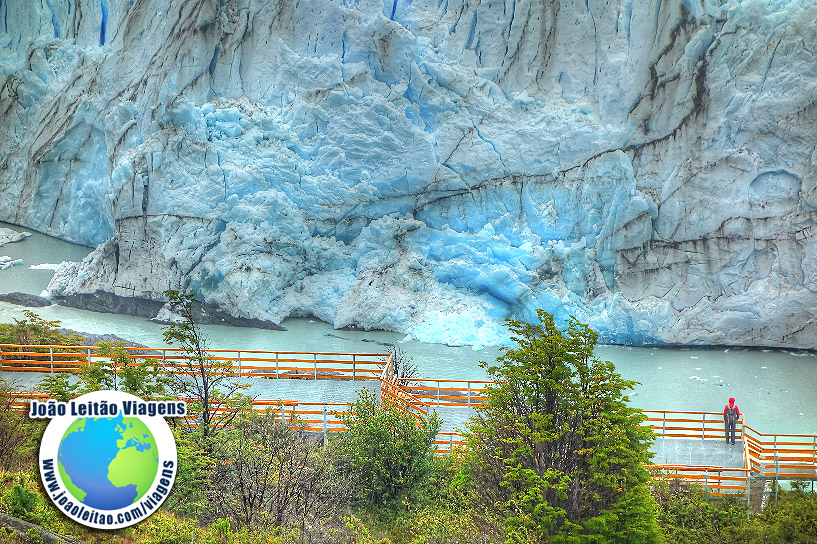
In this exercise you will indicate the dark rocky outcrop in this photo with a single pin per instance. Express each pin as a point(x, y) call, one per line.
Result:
point(104, 302)
point(203, 314)
point(24, 299)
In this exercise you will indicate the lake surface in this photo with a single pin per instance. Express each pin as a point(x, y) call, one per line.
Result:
point(777, 389)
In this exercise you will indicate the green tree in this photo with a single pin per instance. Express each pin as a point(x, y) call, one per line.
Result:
point(556, 453)
point(214, 398)
point(33, 330)
point(190, 496)
point(389, 451)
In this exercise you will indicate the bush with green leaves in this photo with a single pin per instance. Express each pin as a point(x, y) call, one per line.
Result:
point(388, 451)
point(688, 514)
point(790, 518)
point(440, 512)
point(556, 454)
point(22, 502)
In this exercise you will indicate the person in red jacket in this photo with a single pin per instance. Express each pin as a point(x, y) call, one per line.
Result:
point(731, 415)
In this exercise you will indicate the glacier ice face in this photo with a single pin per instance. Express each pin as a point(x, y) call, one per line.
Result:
point(427, 167)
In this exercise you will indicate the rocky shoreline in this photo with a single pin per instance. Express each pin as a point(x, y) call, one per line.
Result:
point(154, 310)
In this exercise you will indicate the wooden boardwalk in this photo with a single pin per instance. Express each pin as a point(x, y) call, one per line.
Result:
point(689, 446)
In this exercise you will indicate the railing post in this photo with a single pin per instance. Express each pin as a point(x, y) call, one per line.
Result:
point(276, 365)
point(353, 367)
point(283, 414)
point(664, 427)
point(703, 427)
point(164, 361)
point(239, 364)
point(776, 469)
point(315, 362)
point(51, 356)
point(748, 487)
point(325, 425)
point(89, 356)
point(438, 394)
point(469, 394)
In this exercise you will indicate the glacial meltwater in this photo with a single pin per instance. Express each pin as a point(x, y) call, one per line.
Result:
point(777, 389)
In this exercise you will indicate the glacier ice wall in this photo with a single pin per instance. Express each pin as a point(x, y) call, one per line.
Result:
point(427, 166)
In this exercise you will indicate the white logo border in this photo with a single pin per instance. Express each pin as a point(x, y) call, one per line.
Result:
point(165, 443)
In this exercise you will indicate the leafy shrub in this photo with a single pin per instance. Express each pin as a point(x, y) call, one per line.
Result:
point(387, 451)
point(22, 503)
point(19, 435)
point(793, 518)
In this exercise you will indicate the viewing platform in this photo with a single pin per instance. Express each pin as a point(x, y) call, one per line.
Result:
point(689, 446)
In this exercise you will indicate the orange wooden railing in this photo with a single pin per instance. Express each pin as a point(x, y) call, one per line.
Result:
point(716, 480)
point(688, 424)
point(446, 392)
point(780, 456)
point(243, 363)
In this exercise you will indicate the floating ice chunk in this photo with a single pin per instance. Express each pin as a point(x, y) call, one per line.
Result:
point(44, 266)
point(8, 235)
point(7, 262)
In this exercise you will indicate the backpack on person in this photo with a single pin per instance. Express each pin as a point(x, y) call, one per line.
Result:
point(731, 414)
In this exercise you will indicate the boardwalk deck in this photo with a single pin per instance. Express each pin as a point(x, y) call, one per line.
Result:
point(697, 452)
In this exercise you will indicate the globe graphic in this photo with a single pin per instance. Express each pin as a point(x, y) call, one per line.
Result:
point(108, 463)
